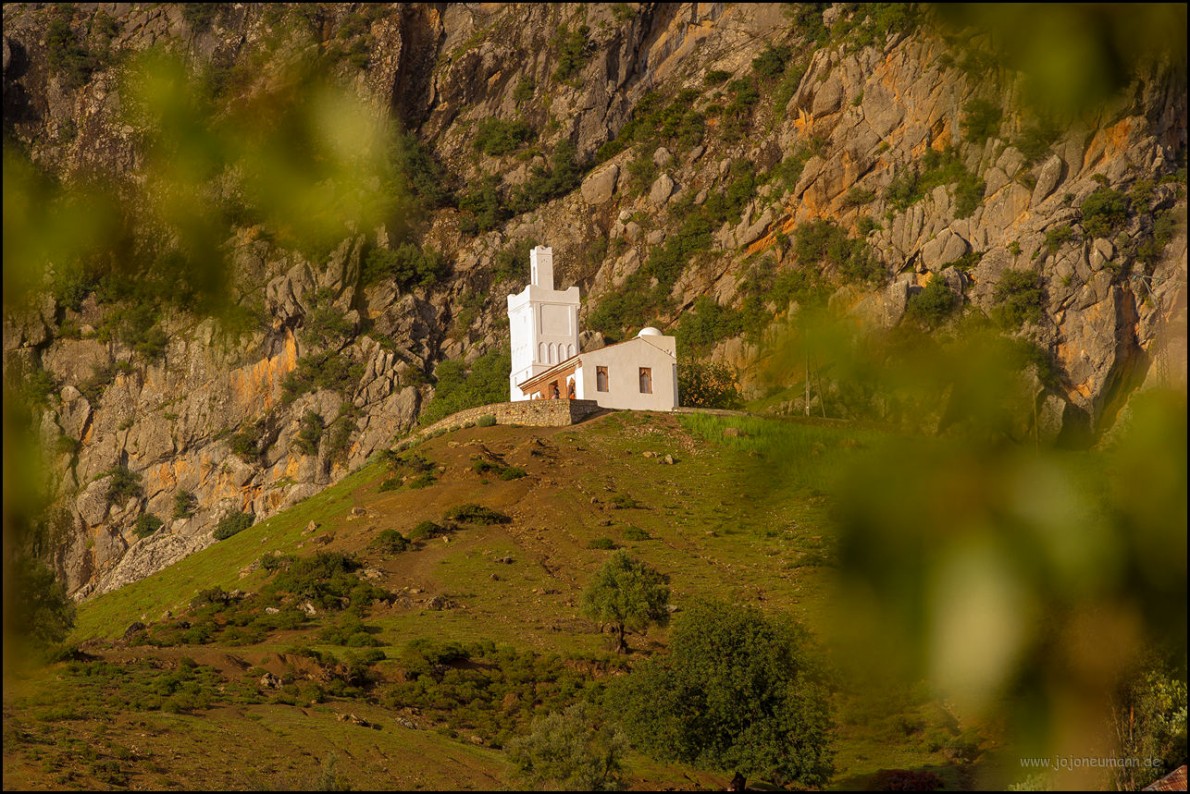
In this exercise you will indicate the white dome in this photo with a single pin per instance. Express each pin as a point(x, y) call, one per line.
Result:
point(649, 331)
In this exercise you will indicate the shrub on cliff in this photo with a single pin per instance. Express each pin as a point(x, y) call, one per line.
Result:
point(1105, 211)
point(933, 304)
point(574, 49)
point(147, 524)
point(497, 137)
point(1019, 298)
point(123, 485)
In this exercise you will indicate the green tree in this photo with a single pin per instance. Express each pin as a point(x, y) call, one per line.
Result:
point(702, 384)
point(629, 594)
point(738, 692)
point(1149, 716)
point(569, 751)
point(459, 387)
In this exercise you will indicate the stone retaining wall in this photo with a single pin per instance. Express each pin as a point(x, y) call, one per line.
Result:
point(534, 413)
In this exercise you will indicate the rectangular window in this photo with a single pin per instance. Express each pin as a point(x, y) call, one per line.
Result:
point(646, 380)
point(601, 379)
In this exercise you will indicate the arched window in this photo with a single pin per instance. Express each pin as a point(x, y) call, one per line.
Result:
point(541, 351)
point(553, 351)
point(570, 351)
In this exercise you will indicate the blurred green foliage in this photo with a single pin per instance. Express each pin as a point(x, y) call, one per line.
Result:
point(38, 613)
point(1073, 57)
point(1024, 583)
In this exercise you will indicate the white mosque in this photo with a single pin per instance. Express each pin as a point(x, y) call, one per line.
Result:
point(639, 373)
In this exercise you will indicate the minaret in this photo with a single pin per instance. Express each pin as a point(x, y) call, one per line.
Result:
point(543, 322)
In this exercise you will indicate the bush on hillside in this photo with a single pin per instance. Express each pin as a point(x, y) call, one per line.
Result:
point(705, 384)
point(232, 524)
point(390, 541)
point(426, 530)
point(476, 514)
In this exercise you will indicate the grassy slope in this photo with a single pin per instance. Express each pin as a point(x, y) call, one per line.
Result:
point(721, 520)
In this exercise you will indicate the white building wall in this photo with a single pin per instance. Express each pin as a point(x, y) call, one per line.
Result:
point(543, 322)
point(623, 362)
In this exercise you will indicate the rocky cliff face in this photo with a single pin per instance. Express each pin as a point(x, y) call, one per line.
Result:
point(714, 134)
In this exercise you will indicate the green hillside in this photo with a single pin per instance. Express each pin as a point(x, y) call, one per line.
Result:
point(453, 645)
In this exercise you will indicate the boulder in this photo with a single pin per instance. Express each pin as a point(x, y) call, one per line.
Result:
point(91, 504)
point(661, 190)
point(599, 187)
point(946, 247)
point(1048, 180)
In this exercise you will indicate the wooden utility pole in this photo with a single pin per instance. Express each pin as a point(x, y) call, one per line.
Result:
point(807, 383)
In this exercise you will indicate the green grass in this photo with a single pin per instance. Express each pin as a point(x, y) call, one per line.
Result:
point(722, 521)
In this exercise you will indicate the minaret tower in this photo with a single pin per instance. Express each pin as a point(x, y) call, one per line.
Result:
point(543, 322)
